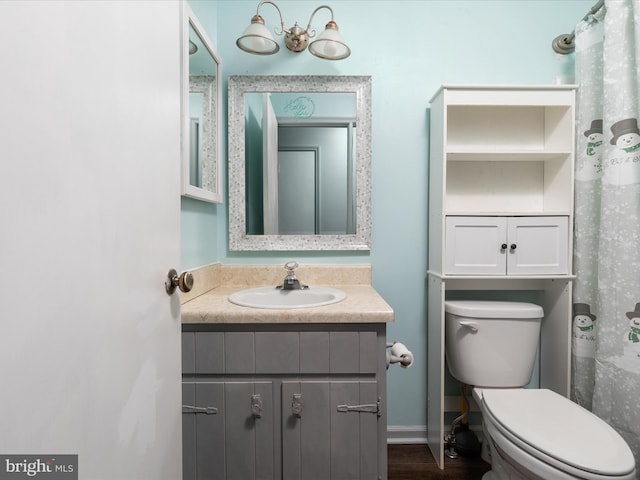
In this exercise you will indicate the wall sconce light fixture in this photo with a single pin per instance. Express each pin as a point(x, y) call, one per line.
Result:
point(258, 40)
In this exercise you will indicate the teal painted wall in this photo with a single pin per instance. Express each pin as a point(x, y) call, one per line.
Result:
point(201, 221)
point(425, 44)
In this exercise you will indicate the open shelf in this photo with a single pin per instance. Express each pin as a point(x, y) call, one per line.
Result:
point(500, 127)
point(536, 186)
point(511, 155)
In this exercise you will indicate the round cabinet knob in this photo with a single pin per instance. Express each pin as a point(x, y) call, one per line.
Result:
point(184, 281)
point(513, 246)
point(503, 246)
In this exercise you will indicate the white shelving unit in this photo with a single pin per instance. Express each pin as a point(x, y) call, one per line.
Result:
point(501, 216)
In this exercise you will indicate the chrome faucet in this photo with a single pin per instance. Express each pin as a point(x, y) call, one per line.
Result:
point(290, 281)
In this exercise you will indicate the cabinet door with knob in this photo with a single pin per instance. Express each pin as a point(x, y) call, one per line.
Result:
point(528, 245)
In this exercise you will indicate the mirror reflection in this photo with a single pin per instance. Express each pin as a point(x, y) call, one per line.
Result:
point(299, 162)
point(300, 157)
point(201, 172)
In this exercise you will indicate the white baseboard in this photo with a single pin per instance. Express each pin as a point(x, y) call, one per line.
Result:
point(418, 433)
point(407, 434)
point(415, 434)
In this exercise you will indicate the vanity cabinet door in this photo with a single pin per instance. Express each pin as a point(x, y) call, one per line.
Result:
point(203, 431)
point(228, 430)
point(330, 430)
point(188, 431)
point(534, 245)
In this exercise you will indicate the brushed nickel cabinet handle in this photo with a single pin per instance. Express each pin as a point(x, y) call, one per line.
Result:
point(256, 405)
point(297, 404)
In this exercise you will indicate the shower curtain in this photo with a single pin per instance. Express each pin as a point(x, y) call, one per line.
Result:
point(606, 309)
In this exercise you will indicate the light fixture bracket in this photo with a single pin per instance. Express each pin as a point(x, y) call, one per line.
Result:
point(296, 39)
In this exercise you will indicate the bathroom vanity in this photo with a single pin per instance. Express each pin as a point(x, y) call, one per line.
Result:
point(285, 393)
point(500, 220)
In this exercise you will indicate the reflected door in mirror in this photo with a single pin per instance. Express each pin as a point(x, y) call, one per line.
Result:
point(297, 196)
point(195, 146)
point(317, 163)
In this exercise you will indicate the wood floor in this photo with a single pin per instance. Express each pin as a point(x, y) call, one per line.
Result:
point(415, 462)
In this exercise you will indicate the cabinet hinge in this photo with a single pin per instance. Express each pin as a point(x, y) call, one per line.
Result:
point(205, 410)
point(369, 408)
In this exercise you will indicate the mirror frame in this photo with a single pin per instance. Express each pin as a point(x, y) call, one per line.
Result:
point(212, 97)
point(240, 85)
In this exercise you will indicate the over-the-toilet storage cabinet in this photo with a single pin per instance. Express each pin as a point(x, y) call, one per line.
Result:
point(500, 217)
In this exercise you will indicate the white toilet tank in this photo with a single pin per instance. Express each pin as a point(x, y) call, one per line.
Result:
point(492, 344)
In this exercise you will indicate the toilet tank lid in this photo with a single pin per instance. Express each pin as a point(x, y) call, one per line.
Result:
point(493, 309)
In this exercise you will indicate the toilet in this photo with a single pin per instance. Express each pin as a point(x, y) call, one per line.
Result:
point(528, 433)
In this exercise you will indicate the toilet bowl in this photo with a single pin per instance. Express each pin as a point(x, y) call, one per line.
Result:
point(529, 433)
point(540, 434)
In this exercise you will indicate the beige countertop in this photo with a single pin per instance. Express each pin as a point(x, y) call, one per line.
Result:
point(362, 305)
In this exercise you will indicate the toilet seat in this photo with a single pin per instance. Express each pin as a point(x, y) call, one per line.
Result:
point(542, 424)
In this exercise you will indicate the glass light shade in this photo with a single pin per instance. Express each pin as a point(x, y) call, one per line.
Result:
point(330, 45)
point(257, 39)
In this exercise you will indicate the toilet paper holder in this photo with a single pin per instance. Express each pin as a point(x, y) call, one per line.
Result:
point(398, 353)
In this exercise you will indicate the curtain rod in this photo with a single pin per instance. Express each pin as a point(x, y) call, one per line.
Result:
point(565, 43)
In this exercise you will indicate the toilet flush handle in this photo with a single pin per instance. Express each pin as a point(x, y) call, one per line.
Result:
point(473, 326)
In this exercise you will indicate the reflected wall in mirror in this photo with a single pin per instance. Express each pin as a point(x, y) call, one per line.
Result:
point(299, 163)
point(202, 94)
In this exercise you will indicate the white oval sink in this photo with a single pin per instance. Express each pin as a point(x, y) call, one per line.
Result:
point(271, 297)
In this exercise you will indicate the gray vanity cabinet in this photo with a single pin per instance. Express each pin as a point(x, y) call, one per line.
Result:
point(284, 402)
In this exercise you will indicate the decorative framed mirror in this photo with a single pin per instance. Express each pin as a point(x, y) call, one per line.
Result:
point(201, 105)
point(299, 163)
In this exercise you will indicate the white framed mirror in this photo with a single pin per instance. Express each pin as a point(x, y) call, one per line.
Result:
point(299, 163)
point(201, 117)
